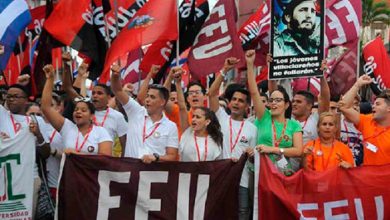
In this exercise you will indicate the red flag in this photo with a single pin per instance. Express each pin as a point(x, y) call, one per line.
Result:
point(343, 20)
point(343, 72)
point(150, 23)
point(302, 84)
point(254, 33)
point(158, 53)
point(192, 15)
point(131, 70)
point(357, 193)
point(377, 64)
point(216, 41)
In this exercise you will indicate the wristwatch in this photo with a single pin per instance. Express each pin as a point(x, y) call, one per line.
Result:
point(281, 150)
point(156, 156)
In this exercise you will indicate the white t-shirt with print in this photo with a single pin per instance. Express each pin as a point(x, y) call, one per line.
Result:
point(70, 134)
point(189, 152)
point(114, 123)
point(247, 138)
point(160, 134)
point(11, 124)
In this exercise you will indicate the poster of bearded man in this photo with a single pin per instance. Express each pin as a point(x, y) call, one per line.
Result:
point(297, 31)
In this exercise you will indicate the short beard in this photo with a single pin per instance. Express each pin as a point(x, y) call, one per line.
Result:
point(301, 31)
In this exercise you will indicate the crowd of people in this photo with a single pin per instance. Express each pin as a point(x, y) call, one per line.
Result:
point(168, 123)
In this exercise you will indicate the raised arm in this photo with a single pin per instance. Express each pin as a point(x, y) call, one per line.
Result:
point(143, 90)
point(66, 78)
point(259, 106)
point(83, 75)
point(345, 105)
point(55, 118)
point(177, 72)
point(324, 100)
point(116, 86)
point(214, 88)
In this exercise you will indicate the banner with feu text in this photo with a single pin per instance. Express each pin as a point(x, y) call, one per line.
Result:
point(357, 193)
point(99, 187)
point(17, 158)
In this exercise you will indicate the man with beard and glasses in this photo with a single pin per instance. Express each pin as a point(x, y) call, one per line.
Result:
point(298, 38)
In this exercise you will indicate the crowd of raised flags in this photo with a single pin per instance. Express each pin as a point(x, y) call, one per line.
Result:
point(159, 70)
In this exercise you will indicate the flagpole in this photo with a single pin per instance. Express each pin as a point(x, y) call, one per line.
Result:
point(178, 34)
point(116, 23)
point(20, 49)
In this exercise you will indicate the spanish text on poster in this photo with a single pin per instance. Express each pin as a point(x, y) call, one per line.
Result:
point(298, 38)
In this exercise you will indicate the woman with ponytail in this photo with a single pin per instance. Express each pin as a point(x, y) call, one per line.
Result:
point(202, 141)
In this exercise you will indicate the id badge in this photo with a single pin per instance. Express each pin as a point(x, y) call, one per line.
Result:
point(282, 162)
point(371, 147)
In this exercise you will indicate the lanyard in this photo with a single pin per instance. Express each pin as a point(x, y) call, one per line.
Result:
point(330, 155)
point(150, 134)
point(205, 148)
point(85, 139)
point(233, 145)
point(15, 125)
point(277, 141)
point(53, 134)
point(104, 119)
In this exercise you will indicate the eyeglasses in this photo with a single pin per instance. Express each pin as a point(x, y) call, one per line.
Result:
point(14, 97)
point(196, 92)
point(82, 99)
point(276, 100)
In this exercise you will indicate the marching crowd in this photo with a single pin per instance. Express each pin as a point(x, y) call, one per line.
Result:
point(166, 123)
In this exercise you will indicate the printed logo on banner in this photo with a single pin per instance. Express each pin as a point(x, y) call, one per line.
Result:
point(297, 31)
point(17, 156)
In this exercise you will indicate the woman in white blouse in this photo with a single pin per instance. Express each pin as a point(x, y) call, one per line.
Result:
point(81, 136)
point(202, 141)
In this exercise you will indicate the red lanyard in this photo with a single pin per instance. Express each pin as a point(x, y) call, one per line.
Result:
point(330, 155)
point(277, 142)
point(16, 129)
point(304, 125)
point(52, 135)
point(150, 134)
point(233, 145)
point(104, 119)
point(205, 148)
point(85, 139)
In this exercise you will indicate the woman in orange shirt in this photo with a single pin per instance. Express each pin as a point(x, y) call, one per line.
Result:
point(326, 152)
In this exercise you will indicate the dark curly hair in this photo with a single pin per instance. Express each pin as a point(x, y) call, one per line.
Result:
point(213, 128)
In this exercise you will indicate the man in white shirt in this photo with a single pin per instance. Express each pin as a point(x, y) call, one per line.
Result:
point(239, 135)
point(15, 119)
point(151, 136)
point(107, 117)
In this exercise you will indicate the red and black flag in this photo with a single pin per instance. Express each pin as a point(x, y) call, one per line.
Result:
point(254, 33)
point(152, 22)
point(192, 15)
point(83, 25)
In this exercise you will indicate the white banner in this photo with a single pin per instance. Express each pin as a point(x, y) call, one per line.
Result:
point(17, 158)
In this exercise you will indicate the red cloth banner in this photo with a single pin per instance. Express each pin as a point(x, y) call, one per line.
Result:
point(377, 64)
point(216, 41)
point(357, 193)
point(98, 187)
